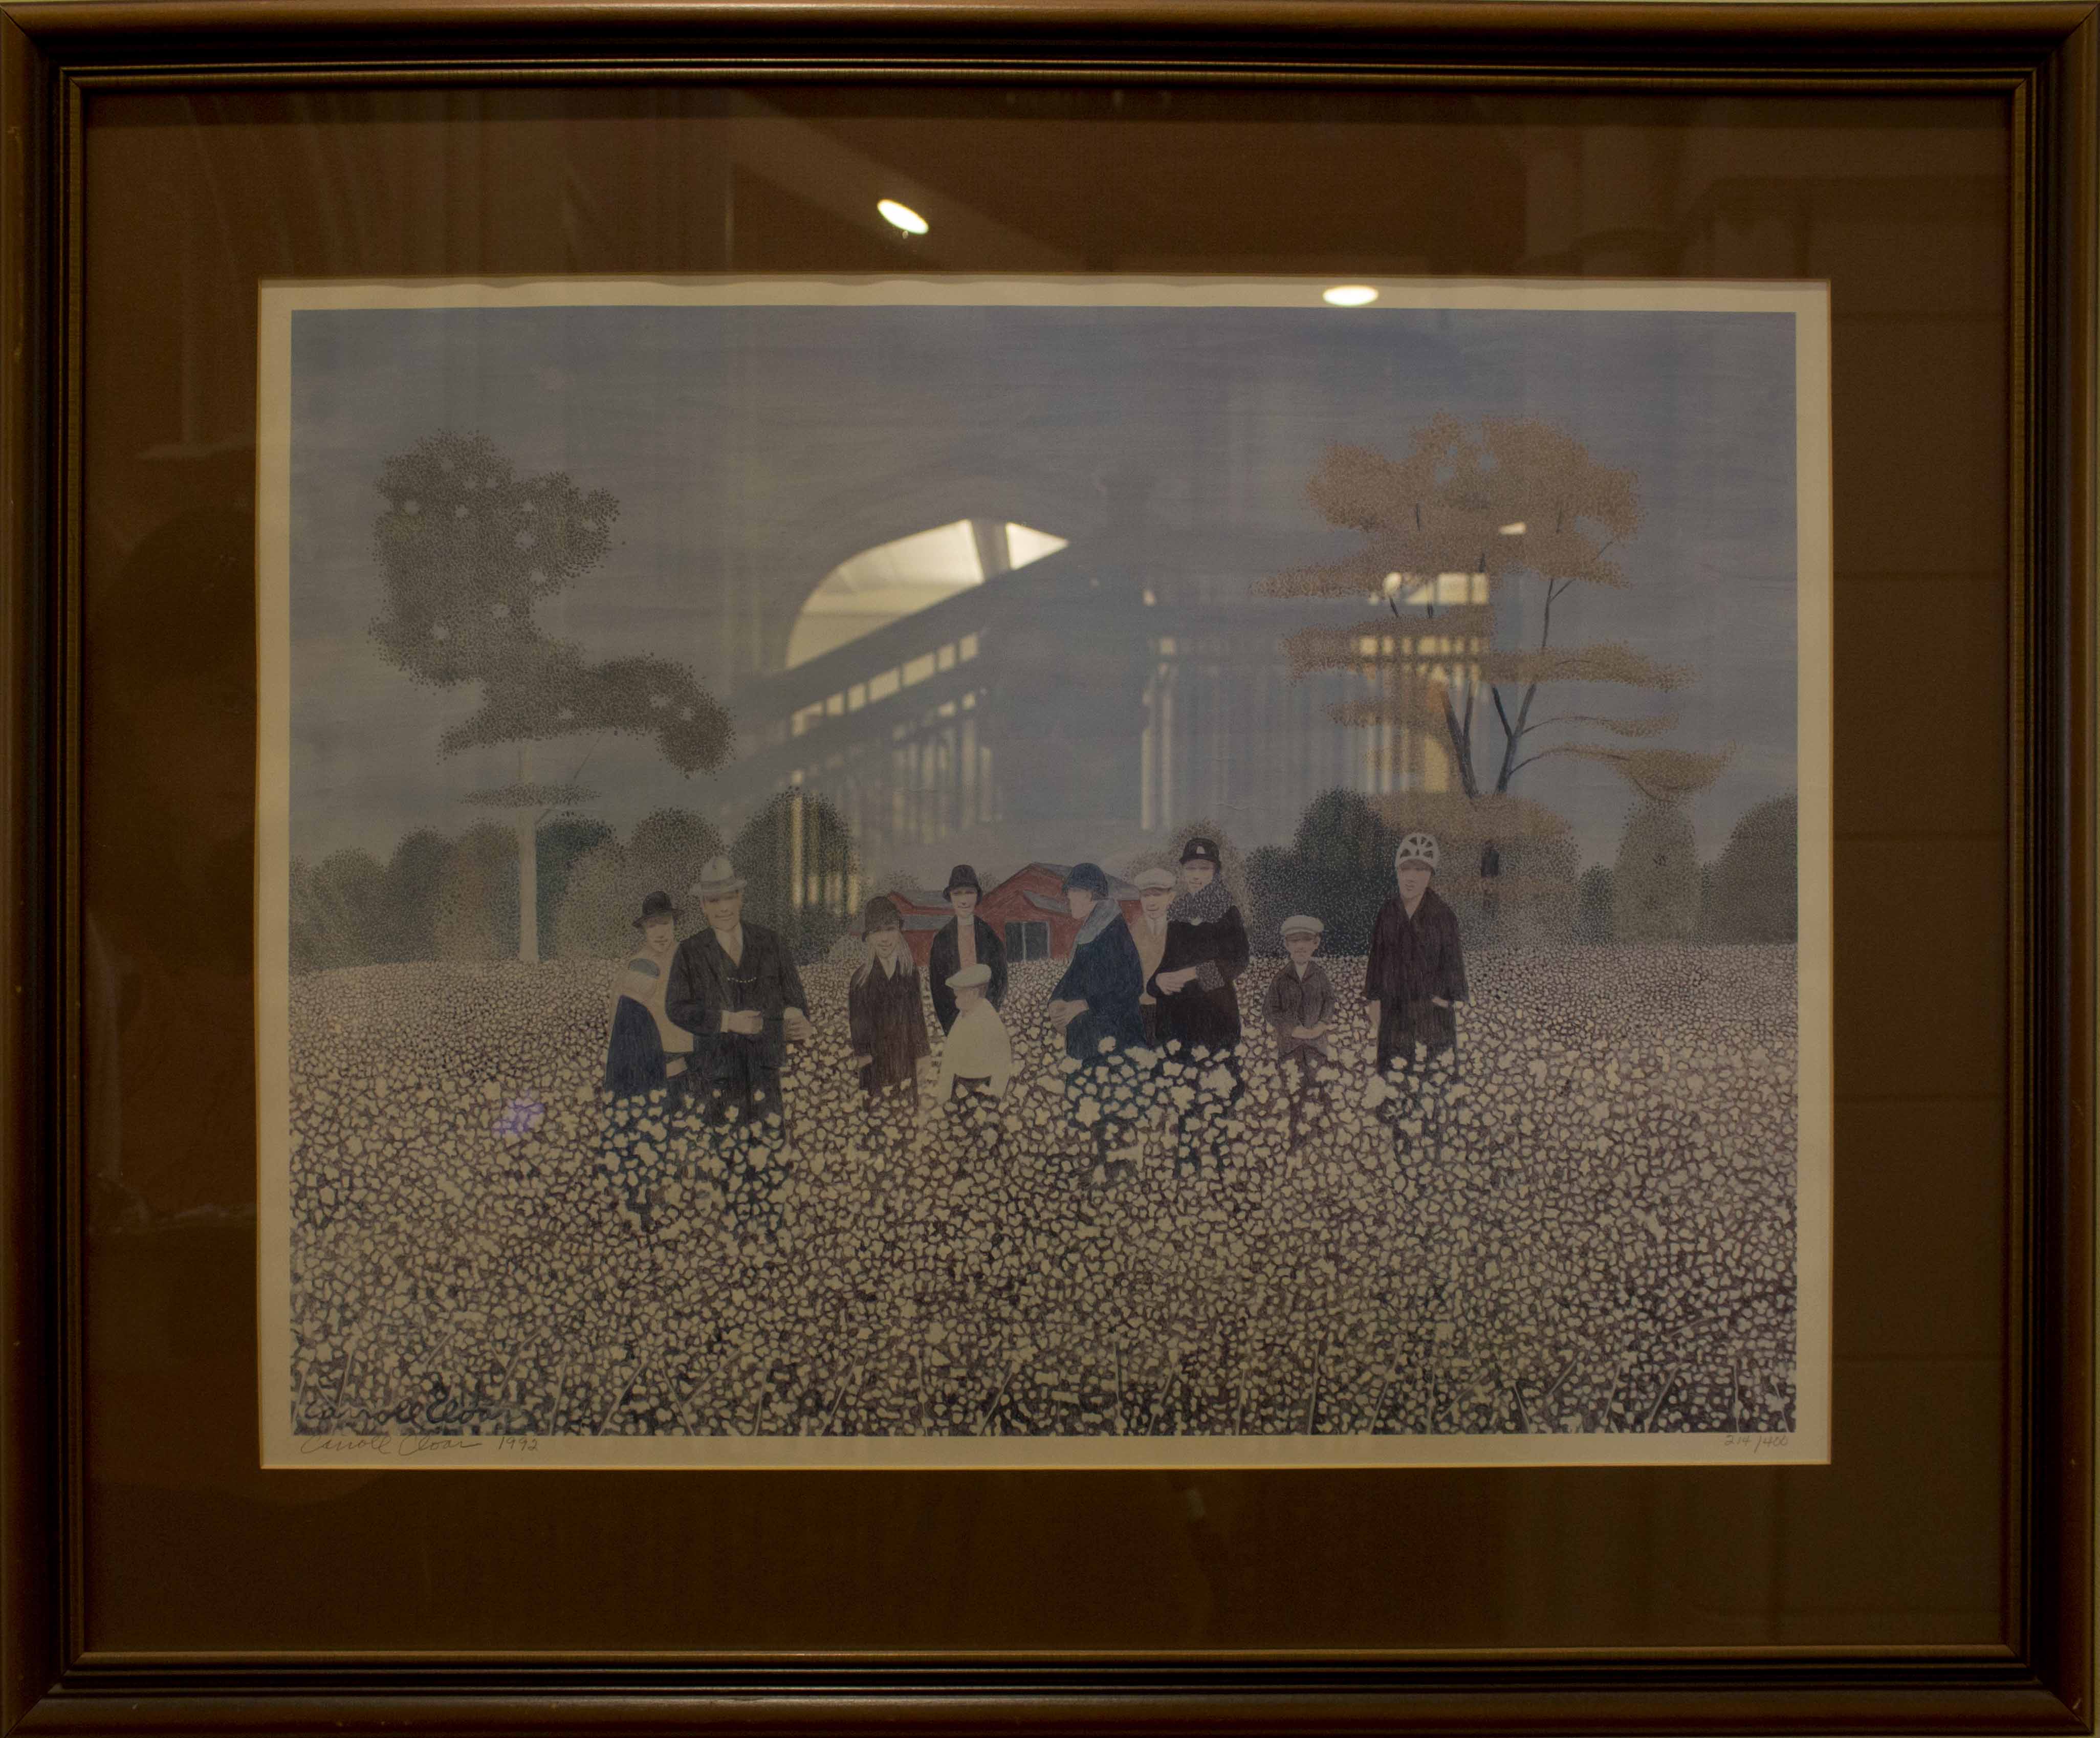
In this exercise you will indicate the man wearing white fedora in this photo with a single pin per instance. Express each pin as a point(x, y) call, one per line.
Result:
point(734, 988)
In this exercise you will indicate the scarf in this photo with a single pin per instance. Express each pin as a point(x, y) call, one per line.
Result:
point(1205, 908)
point(1105, 912)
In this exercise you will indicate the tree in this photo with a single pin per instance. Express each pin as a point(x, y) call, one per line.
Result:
point(1337, 868)
point(1593, 904)
point(477, 897)
point(801, 872)
point(415, 875)
point(663, 854)
point(563, 842)
point(467, 549)
point(1655, 883)
point(1755, 880)
point(338, 912)
point(1464, 517)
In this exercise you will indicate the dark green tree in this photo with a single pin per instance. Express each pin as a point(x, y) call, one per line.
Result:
point(1752, 895)
point(801, 872)
point(467, 550)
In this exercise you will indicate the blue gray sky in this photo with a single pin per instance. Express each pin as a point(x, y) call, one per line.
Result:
point(753, 448)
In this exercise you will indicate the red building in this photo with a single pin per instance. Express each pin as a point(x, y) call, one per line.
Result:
point(1027, 909)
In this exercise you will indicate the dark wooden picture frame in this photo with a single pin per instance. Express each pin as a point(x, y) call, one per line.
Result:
point(57, 59)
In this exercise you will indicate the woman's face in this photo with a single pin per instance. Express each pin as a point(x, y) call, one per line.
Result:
point(1196, 873)
point(885, 945)
point(658, 931)
point(1081, 902)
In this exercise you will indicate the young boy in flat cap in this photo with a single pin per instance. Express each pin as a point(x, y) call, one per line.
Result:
point(1300, 1008)
point(978, 1056)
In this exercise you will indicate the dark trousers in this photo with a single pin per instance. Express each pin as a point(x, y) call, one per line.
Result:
point(1304, 1091)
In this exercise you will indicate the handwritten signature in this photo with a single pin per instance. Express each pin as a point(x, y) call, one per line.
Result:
point(409, 1447)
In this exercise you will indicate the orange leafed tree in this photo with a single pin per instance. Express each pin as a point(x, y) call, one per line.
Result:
point(1507, 504)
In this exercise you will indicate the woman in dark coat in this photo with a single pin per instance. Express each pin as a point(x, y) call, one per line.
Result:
point(1206, 950)
point(1096, 1002)
point(645, 1050)
point(1416, 969)
point(1098, 996)
point(883, 1008)
point(945, 959)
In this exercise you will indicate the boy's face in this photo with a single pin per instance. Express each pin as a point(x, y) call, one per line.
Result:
point(1155, 900)
point(1414, 878)
point(967, 999)
point(1197, 874)
point(1301, 944)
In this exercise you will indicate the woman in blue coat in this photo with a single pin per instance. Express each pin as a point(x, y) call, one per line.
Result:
point(1096, 1003)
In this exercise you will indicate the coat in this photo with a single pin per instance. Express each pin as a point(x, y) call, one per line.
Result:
point(706, 984)
point(1204, 1013)
point(1103, 974)
point(1292, 1002)
point(645, 1049)
point(945, 959)
point(1412, 961)
point(888, 1023)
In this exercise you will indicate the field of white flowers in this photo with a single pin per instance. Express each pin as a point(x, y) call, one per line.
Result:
point(1592, 1229)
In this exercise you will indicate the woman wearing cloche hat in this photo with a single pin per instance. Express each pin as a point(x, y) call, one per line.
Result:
point(646, 1049)
point(965, 940)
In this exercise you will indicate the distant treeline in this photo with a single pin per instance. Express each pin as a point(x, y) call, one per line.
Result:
point(1509, 869)
point(455, 897)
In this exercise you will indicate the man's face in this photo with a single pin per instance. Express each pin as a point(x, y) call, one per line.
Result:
point(1081, 902)
point(1198, 874)
point(1155, 900)
point(1414, 878)
point(1301, 944)
point(964, 900)
point(658, 931)
point(968, 998)
point(724, 910)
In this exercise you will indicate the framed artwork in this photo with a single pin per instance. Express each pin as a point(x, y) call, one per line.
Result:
point(1173, 1194)
point(1141, 867)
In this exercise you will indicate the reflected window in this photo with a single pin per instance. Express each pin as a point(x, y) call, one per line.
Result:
point(888, 583)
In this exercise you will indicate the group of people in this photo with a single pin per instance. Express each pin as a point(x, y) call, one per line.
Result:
point(708, 1019)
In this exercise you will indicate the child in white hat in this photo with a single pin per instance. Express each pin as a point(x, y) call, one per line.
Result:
point(978, 1056)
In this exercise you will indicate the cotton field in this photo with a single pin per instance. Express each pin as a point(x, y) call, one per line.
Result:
point(1590, 1228)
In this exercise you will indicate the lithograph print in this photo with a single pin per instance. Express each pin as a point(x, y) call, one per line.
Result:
point(1032, 872)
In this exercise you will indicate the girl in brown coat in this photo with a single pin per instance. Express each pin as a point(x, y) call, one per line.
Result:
point(883, 1008)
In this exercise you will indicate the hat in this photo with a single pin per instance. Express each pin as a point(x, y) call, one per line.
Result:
point(880, 915)
point(1416, 848)
point(718, 876)
point(1156, 882)
point(1088, 878)
point(1200, 851)
point(962, 876)
point(971, 977)
point(656, 906)
point(1302, 925)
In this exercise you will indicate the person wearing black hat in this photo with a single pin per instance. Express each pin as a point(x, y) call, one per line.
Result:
point(965, 940)
point(645, 1050)
point(883, 1009)
point(1206, 950)
point(1096, 1004)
